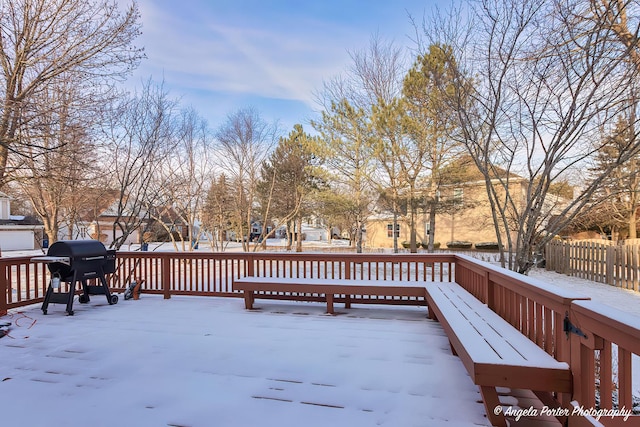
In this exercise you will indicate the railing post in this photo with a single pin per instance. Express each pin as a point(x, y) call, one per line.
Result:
point(250, 267)
point(165, 263)
point(490, 291)
point(4, 289)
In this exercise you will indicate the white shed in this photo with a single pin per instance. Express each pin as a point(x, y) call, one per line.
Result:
point(15, 237)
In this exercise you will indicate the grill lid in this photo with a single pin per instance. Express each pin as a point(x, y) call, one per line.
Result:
point(78, 249)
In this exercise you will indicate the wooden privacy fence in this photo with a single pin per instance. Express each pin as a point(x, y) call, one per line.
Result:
point(597, 260)
point(599, 343)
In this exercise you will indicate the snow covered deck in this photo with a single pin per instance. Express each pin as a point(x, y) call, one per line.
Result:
point(160, 346)
point(195, 361)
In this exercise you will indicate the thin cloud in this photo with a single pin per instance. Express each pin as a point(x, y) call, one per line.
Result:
point(205, 54)
point(222, 55)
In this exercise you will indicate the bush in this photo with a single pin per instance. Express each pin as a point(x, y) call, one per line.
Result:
point(487, 246)
point(164, 236)
point(425, 245)
point(405, 244)
point(459, 244)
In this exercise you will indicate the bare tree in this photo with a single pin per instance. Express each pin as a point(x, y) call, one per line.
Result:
point(535, 89)
point(244, 142)
point(182, 177)
point(217, 213)
point(375, 74)
point(353, 140)
point(58, 148)
point(617, 18)
point(616, 201)
point(137, 139)
point(41, 40)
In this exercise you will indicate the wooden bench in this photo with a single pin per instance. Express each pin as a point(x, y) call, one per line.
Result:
point(331, 291)
point(494, 352)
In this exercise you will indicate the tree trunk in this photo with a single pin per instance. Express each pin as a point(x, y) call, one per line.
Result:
point(289, 236)
point(432, 227)
point(413, 247)
point(395, 226)
point(299, 235)
point(633, 232)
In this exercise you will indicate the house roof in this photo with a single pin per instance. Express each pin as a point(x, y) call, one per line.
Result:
point(464, 170)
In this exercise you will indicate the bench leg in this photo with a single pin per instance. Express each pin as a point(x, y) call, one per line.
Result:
point(329, 303)
point(431, 314)
point(248, 300)
point(453, 350)
point(491, 400)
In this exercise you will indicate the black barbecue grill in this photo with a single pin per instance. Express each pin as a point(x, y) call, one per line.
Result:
point(75, 261)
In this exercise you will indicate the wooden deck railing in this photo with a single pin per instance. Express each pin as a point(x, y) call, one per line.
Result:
point(597, 341)
point(22, 282)
point(602, 351)
point(534, 308)
point(213, 274)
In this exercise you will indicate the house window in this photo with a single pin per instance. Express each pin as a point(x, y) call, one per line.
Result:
point(390, 230)
point(458, 195)
point(427, 228)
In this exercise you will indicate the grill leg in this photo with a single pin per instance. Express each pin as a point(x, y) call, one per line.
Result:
point(111, 299)
point(45, 303)
point(84, 297)
point(72, 294)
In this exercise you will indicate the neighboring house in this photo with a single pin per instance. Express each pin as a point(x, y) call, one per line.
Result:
point(468, 217)
point(96, 217)
point(101, 227)
point(380, 230)
point(165, 220)
point(17, 233)
point(96, 221)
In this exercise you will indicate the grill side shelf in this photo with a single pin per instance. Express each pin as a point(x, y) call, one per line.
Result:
point(50, 259)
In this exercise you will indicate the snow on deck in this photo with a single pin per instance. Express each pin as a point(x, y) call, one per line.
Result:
point(196, 361)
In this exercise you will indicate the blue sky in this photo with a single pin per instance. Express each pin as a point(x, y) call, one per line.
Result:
point(223, 55)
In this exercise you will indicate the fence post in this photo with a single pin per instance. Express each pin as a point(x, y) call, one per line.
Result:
point(634, 268)
point(610, 262)
point(165, 263)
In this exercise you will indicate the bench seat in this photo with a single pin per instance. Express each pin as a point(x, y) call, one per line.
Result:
point(331, 291)
point(494, 353)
